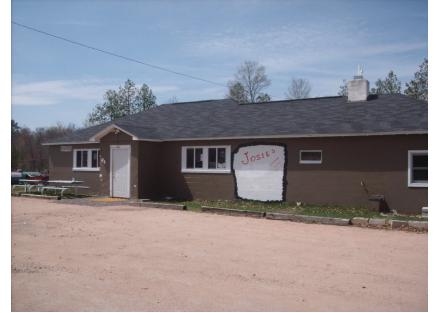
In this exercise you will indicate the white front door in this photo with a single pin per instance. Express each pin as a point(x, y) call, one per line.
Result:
point(120, 171)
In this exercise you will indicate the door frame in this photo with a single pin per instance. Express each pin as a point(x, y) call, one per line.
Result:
point(116, 147)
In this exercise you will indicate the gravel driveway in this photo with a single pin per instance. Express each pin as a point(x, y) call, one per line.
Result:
point(69, 257)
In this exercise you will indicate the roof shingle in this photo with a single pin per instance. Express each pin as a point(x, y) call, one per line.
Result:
point(306, 117)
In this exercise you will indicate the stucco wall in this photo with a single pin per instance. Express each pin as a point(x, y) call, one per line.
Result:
point(61, 164)
point(379, 161)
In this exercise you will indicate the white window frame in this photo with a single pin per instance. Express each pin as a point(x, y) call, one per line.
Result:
point(301, 161)
point(89, 167)
point(205, 168)
point(411, 183)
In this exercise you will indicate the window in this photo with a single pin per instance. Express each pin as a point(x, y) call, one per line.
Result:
point(86, 159)
point(418, 168)
point(207, 159)
point(310, 156)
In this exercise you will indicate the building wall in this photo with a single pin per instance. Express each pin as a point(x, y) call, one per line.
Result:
point(381, 162)
point(149, 171)
point(61, 164)
point(119, 139)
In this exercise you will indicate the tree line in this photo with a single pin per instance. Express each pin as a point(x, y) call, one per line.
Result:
point(248, 86)
point(27, 153)
point(416, 88)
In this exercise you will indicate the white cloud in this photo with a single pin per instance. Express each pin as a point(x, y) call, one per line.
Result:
point(55, 92)
point(299, 47)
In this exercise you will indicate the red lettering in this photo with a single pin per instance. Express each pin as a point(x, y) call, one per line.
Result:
point(257, 157)
point(247, 158)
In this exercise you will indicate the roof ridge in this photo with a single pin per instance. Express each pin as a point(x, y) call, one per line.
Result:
point(196, 101)
point(290, 100)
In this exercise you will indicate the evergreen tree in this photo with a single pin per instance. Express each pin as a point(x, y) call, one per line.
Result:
point(418, 87)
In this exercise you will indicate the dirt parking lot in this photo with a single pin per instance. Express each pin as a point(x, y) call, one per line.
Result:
point(68, 257)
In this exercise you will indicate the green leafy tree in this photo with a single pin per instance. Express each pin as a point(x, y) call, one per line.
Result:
point(249, 82)
point(263, 97)
point(145, 99)
point(15, 154)
point(127, 100)
point(390, 85)
point(237, 92)
point(127, 97)
point(418, 87)
point(27, 151)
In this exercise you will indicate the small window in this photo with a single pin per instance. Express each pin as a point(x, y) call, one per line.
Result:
point(206, 159)
point(199, 158)
point(417, 168)
point(190, 158)
point(216, 158)
point(86, 159)
point(310, 157)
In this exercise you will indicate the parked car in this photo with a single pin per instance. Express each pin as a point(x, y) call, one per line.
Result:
point(17, 175)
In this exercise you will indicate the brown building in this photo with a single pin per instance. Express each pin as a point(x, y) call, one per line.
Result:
point(333, 150)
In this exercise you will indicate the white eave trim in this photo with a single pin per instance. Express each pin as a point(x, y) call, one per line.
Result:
point(70, 143)
point(238, 137)
point(297, 136)
point(109, 129)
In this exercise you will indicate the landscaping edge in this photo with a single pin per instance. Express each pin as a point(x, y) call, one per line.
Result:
point(379, 223)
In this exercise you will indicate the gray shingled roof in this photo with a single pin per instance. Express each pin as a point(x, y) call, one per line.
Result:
point(307, 117)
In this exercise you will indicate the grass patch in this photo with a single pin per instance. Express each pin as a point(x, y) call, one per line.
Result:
point(292, 208)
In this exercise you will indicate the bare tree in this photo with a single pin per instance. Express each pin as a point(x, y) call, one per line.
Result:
point(298, 89)
point(172, 100)
point(249, 83)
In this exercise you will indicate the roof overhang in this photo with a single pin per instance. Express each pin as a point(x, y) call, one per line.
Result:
point(69, 143)
point(95, 139)
point(113, 128)
point(301, 136)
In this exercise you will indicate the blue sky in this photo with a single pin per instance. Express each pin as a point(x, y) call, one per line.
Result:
point(322, 41)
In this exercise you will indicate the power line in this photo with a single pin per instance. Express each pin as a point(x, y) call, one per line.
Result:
point(117, 55)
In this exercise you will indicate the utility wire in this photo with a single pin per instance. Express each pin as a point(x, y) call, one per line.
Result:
point(117, 55)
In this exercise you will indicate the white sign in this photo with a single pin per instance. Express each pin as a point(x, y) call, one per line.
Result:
point(66, 148)
point(259, 172)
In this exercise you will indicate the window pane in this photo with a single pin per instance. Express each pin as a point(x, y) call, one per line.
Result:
point(420, 175)
point(190, 158)
point(199, 156)
point(95, 158)
point(221, 158)
point(212, 158)
point(84, 158)
point(78, 159)
point(310, 156)
point(420, 160)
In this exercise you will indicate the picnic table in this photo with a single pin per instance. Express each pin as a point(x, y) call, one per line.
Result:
point(54, 185)
point(28, 184)
point(63, 185)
